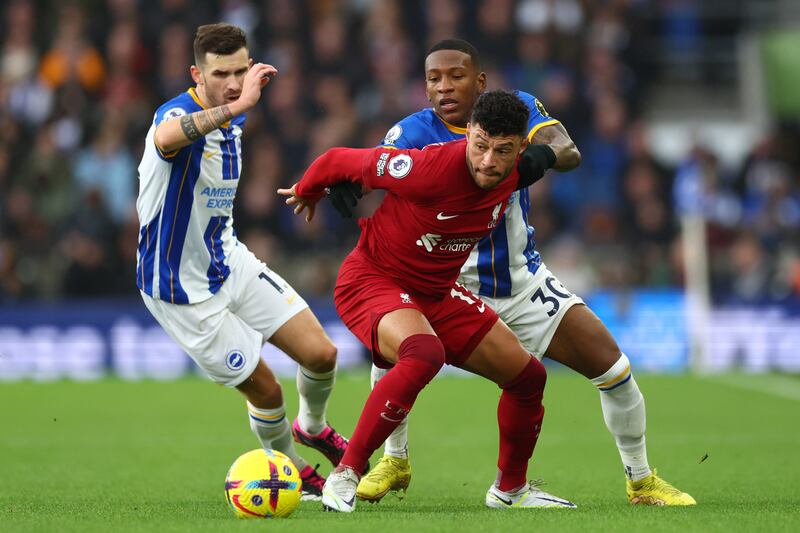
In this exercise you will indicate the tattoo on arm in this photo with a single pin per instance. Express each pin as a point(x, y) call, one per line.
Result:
point(200, 123)
point(190, 128)
point(552, 134)
point(220, 114)
point(204, 122)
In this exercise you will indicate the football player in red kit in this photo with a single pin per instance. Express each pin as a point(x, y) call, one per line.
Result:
point(397, 290)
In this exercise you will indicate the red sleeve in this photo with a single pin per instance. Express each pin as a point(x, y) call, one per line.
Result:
point(400, 171)
point(335, 165)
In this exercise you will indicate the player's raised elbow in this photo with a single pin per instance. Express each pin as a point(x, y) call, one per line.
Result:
point(159, 137)
point(165, 140)
point(567, 157)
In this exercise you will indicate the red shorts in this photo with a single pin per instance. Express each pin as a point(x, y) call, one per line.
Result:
point(363, 294)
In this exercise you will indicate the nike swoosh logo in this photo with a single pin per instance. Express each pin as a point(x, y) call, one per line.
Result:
point(442, 216)
point(347, 503)
point(383, 415)
point(562, 502)
point(209, 155)
point(507, 502)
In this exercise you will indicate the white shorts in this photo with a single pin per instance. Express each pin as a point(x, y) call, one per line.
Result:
point(535, 312)
point(225, 333)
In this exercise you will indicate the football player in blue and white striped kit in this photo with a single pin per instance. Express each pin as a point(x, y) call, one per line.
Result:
point(507, 272)
point(205, 288)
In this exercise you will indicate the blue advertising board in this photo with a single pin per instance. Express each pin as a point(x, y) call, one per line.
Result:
point(87, 340)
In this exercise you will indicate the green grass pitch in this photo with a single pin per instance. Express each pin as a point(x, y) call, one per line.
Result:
point(116, 456)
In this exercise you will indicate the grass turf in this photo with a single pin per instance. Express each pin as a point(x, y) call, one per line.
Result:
point(117, 456)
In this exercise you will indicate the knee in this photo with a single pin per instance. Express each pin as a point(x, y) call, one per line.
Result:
point(268, 395)
point(427, 353)
point(322, 358)
point(434, 361)
point(605, 352)
point(529, 384)
point(614, 364)
point(538, 372)
point(608, 356)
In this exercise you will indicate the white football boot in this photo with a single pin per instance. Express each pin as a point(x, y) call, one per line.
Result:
point(526, 496)
point(339, 492)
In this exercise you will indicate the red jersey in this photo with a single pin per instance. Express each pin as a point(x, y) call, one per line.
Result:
point(432, 216)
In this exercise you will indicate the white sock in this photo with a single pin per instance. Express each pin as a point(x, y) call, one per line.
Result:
point(624, 413)
point(314, 389)
point(396, 444)
point(272, 429)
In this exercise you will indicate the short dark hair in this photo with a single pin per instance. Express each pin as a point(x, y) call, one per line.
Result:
point(459, 45)
point(501, 113)
point(223, 39)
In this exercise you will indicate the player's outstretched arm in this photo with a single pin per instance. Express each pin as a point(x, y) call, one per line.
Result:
point(175, 133)
point(364, 168)
point(335, 166)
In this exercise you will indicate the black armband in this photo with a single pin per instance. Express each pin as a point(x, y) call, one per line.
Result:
point(533, 163)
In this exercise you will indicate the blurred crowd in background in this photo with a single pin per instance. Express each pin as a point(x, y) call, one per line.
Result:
point(80, 81)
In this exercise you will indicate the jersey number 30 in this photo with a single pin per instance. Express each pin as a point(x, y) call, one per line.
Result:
point(539, 295)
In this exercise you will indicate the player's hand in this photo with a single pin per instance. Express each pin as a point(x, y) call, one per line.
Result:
point(299, 203)
point(344, 196)
point(254, 80)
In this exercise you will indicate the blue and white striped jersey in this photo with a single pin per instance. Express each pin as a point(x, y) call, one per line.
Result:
point(185, 208)
point(500, 263)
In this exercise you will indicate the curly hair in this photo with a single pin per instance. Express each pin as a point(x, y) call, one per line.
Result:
point(501, 113)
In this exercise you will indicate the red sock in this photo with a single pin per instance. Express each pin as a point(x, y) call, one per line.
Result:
point(419, 358)
point(519, 417)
